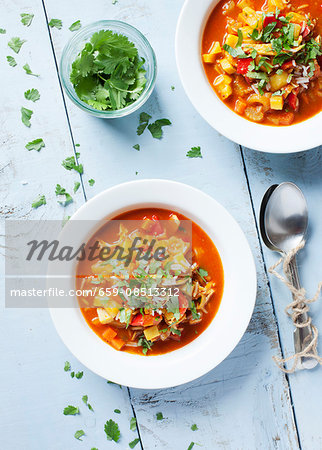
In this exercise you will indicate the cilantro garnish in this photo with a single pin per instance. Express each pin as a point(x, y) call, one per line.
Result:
point(155, 128)
point(78, 434)
point(91, 182)
point(112, 431)
point(145, 344)
point(203, 273)
point(136, 147)
point(75, 26)
point(36, 144)
point(60, 191)
point(144, 120)
point(16, 43)
point(191, 445)
point(79, 375)
point(133, 424)
point(195, 152)
point(117, 411)
point(26, 116)
point(175, 331)
point(195, 314)
point(237, 52)
point(67, 366)
point(194, 427)
point(32, 94)
point(56, 23)
point(71, 410)
point(2, 31)
point(159, 416)
point(72, 374)
point(85, 400)
point(133, 443)
point(29, 71)
point(41, 200)
point(11, 61)
point(70, 163)
point(76, 186)
point(172, 88)
point(26, 19)
point(108, 73)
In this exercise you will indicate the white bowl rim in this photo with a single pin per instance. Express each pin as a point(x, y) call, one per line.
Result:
point(179, 366)
point(290, 139)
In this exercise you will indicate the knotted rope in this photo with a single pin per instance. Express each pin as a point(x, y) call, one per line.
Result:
point(295, 309)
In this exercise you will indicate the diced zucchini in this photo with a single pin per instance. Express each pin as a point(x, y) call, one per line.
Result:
point(277, 102)
point(151, 333)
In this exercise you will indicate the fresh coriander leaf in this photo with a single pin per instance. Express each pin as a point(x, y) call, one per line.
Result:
point(60, 191)
point(32, 94)
point(94, 448)
point(85, 400)
point(195, 152)
point(72, 374)
point(114, 2)
point(41, 200)
point(78, 434)
point(67, 366)
point(26, 19)
point(191, 445)
point(194, 427)
point(156, 127)
point(237, 52)
point(79, 375)
point(175, 331)
point(144, 120)
point(75, 26)
point(133, 424)
point(56, 23)
point(29, 71)
point(145, 344)
point(77, 145)
point(36, 144)
point(26, 116)
point(203, 273)
point(91, 182)
point(11, 61)
point(133, 443)
point(136, 147)
point(111, 382)
point(195, 314)
point(159, 416)
point(16, 43)
point(70, 163)
point(76, 186)
point(2, 31)
point(112, 431)
point(117, 411)
point(172, 88)
point(240, 38)
point(136, 173)
point(71, 410)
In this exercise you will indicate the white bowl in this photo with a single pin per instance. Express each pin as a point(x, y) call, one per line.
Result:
point(227, 327)
point(294, 138)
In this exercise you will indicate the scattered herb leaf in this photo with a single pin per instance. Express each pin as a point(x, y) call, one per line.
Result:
point(136, 147)
point(26, 116)
point(16, 43)
point(133, 443)
point(11, 61)
point(72, 374)
point(159, 416)
point(195, 152)
point(32, 94)
point(79, 375)
point(79, 434)
point(75, 26)
point(155, 128)
point(26, 19)
point(191, 445)
point(71, 410)
point(36, 144)
point(112, 431)
point(85, 400)
point(76, 186)
point(91, 182)
point(29, 71)
point(133, 424)
point(117, 411)
point(67, 366)
point(56, 23)
point(70, 163)
point(144, 120)
point(2, 31)
point(60, 191)
point(41, 200)
point(194, 427)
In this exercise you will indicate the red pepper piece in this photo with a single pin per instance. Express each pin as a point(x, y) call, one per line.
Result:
point(293, 100)
point(287, 65)
point(306, 31)
point(243, 65)
point(137, 320)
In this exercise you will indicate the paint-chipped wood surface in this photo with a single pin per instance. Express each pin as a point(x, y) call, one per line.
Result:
point(245, 403)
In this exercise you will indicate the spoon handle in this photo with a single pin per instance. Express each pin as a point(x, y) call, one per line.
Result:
point(302, 336)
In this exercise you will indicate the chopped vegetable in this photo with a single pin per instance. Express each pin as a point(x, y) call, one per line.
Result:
point(41, 200)
point(136, 147)
point(36, 144)
point(26, 19)
point(79, 375)
point(70, 163)
point(159, 416)
point(133, 424)
point(117, 411)
point(191, 446)
point(60, 191)
point(56, 23)
point(134, 442)
point(11, 61)
point(32, 94)
point(67, 366)
point(16, 43)
point(26, 116)
point(91, 182)
point(76, 186)
point(2, 31)
point(194, 427)
point(78, 434)
point(75, 26)
point(195, 152)
point(70, 410)
point(29, 71)
point(85, 400)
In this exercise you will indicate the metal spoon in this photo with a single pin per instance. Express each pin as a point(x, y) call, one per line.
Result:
point(283, 225)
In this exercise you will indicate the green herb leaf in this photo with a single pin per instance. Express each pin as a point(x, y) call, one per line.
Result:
point(195, 152)
point(71, 410)
point(79, 434)
point(79, 375)
point(16, 43)
point(195, 314)
point(194, 427)
point(29, 71)
point(155, 128)
point(70, 163)
point(85, 400)
point(117, 411)
point(36, 144)
point(56, 23)
point(60, 191)
point(26, 116)
point(26, 19)
point(76, 186)
point(172, 88)
point(145, 344)
point(41, 200)
point(2, 31)
point(136, 147)
point(32, 94)
point(144, 120)
point(67, 366)
point(203, 273)
point(75, 26)
point(91, 182)
point(191, 445)
point(11, 61)
point(159, 416)
point(133, 424)
point(237, 52)
point(133, 443)
point(112, 431)
point(72, 374)
point(240, 38)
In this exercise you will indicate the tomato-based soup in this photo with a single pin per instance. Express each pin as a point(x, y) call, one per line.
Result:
point(143, 330)
point(263, 58)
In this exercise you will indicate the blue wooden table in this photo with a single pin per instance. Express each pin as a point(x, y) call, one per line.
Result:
point(246, 402)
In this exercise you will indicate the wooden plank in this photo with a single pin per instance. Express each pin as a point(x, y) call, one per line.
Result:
point(34, 388)
point(304, 169)
point(245, 392)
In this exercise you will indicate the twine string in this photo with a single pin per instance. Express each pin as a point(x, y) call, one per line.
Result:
point(295, 310)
